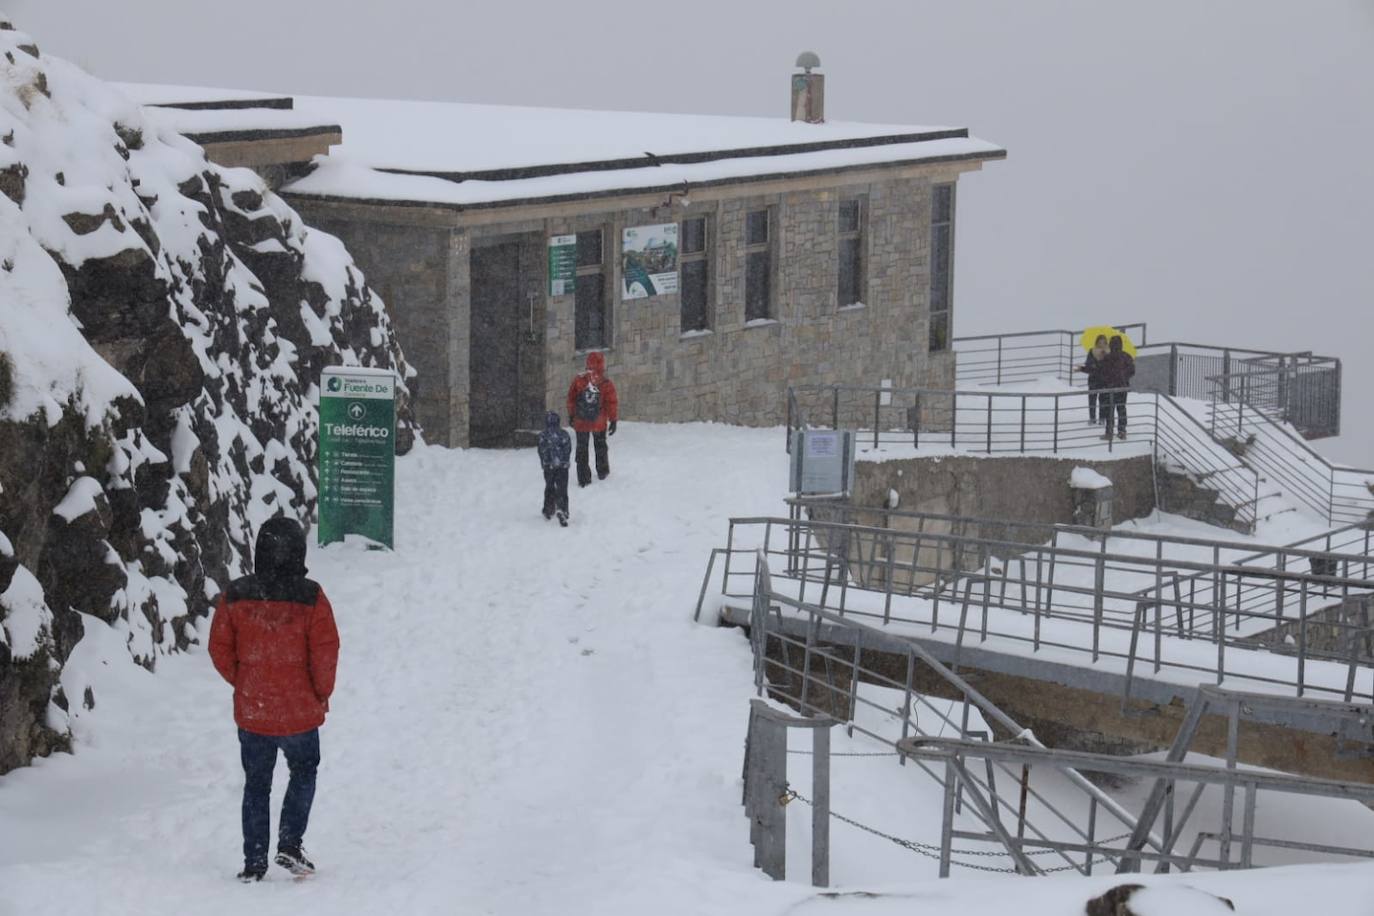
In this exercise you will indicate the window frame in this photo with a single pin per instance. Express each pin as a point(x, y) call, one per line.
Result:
point(584, 270)
point(859, 236)
point(703, 257)
point(764, 247)
point(940, 313)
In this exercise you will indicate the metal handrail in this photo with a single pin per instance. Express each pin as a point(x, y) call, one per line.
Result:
point(1058, 587)
point(776, 677)
point(1314, 479)
point(954, 752)
point(1248, 548)
point(992, 422)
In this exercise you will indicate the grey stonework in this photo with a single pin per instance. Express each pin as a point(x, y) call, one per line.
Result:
point(418, 258)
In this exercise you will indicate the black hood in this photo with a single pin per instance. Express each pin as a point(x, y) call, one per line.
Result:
point(280, 551)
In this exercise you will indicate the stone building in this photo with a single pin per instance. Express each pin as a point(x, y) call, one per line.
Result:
point(715, 260)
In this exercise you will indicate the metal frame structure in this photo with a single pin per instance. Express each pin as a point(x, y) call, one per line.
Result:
point(765, 789)
point(1018, 423)
point(1263, 404)
point(955, 754)
point(802, 671)
point(1003, 359)
point(813, 672)
point(1005, 602)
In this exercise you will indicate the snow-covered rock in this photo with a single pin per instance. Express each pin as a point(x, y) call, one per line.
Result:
point(163, 322)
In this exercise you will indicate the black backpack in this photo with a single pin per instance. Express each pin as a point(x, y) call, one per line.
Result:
point(589, 403)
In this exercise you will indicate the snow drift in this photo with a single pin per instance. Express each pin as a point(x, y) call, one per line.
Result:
point(162, 324)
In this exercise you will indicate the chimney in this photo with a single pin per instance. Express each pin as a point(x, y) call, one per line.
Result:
point(808, 90)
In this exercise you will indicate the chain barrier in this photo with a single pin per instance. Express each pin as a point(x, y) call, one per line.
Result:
point(933, 852)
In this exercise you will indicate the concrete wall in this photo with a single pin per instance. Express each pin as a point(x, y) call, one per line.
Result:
point(1016, 488)
point(417, 257)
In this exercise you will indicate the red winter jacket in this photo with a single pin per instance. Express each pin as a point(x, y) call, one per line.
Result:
point(595, 375)
point(277, 644)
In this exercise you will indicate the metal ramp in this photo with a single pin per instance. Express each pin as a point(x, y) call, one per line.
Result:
point(815, 661)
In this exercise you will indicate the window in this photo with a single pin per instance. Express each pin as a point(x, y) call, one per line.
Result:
point(941, 264)
point(589, 300)
point(850, 288)
point(693, 284)
point(758, 265)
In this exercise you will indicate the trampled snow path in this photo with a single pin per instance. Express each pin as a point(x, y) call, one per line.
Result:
point(526, 718)
point(526, 722)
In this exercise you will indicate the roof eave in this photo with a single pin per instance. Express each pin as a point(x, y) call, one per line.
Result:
point(611, 193)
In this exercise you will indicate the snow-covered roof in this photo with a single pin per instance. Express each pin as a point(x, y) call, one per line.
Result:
point(210, 125)
point(463, 154)
point(340, 177)
point(201, 96)
point(460, 137)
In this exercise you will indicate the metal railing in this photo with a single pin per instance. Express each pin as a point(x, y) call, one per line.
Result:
point(1004, 359)
point(1093, 605)
point(1340, 494)
point(1299, 393)
point(1301, 390)
point(881, 686)
point(1296, 387)
point(1008, 423)
point(823, 680)
point(1259, 607)
point(1346, 552)
point(1235, 848)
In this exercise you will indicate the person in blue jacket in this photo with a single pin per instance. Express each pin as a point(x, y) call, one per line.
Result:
point(555, 451)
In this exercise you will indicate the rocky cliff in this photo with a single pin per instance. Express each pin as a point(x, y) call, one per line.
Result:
point(163, 322)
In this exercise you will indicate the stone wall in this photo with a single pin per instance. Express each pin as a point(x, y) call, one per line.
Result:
point(740, 374)
point(418, 258)
point(1016, 488)
point(416, 265)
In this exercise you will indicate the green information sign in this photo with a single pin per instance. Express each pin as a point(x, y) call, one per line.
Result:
point(357, 454)
point(562, 265)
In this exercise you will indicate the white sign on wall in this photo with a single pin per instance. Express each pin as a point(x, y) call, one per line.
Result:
point(822, 461)
point(648, 264)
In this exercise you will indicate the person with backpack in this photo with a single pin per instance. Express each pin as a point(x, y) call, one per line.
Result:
point(1116, 370)
point(593, 410)
point(555, 451)
point(274, 640)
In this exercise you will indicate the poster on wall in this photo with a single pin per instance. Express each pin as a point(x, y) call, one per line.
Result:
point(562, 264)
point(648, 261)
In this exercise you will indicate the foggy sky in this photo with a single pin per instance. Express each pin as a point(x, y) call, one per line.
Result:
point(1204, 165)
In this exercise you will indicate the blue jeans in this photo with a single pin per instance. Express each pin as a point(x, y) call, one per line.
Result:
point(259, 756)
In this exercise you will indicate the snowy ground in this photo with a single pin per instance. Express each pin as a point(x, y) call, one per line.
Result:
point(526, 722)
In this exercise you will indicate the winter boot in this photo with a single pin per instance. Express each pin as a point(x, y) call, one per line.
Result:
point(293, 860)
point(563, 519)
point(252, 873)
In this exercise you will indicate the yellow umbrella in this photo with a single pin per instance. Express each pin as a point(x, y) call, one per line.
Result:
point(1091, 335)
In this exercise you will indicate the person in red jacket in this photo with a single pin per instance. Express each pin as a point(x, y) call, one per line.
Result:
point(273, 638)
point(593, 409)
